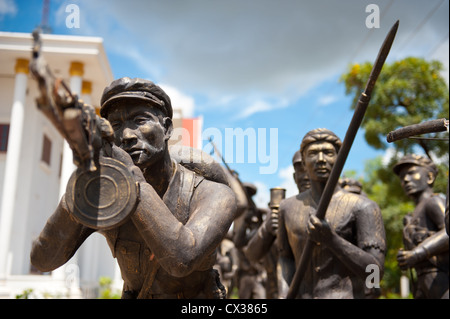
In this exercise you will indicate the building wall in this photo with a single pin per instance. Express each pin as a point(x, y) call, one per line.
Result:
point(39, 182)
point(39, 194)
point(6, 101)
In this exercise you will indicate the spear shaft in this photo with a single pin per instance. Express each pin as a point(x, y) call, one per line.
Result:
point(342, 155)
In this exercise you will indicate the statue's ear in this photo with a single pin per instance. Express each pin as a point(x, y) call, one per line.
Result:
point(431, 178)
point(168, 126)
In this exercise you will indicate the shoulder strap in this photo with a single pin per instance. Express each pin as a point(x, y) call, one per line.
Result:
point(188, 182)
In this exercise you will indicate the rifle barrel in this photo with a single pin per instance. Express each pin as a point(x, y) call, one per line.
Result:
point(432, 126)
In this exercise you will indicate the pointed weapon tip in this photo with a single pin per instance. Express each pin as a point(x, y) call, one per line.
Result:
point(395, 26)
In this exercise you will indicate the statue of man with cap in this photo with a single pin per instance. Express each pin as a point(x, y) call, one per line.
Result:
point(425, 239)
point(347, 241)
point(167, 247)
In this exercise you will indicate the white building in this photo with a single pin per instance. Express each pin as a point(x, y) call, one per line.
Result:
point(35, 165)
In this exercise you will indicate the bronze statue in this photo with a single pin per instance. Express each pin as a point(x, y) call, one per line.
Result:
point(250, 275)
point(447, 227)
point(166, 248)
point(261, 248)
point(262, 245)
point(346, 242)
point(354, 186)
point(227, 262)
point(425, 239)
point(301, 178)
point(351, 185)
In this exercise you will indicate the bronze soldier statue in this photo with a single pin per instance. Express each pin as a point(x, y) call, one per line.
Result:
point(250, 275)
point(301, 178)
point(263, 244)
point(351, 185)
point(354, 186)
point(425, 238)
point(347, 241)
point(167, 246)
point(260, 244)
point(261, 247)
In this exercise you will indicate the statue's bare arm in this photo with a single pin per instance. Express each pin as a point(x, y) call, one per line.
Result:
point(59, 240)
point(181, 249)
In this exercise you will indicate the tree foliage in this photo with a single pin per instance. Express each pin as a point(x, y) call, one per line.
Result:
point(409, 91)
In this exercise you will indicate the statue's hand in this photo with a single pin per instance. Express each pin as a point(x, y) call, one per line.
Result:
point(319, 230)
point(409, 258)
point(122, 156)
point(273, 221)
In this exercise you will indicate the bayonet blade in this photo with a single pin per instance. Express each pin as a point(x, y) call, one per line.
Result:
point(381, 58)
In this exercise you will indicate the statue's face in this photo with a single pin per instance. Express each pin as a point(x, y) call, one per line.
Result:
point(415, 179)
point(301, 178)
point(140, 130)
point(319, 158)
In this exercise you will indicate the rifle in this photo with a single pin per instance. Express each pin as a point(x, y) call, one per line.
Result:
point(75, 121)
point(233, 173)
point(102, 192)
point(433, 126)
point(343, 153)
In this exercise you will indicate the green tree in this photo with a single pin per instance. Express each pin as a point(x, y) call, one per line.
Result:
point(106, 290)
point(407, 92)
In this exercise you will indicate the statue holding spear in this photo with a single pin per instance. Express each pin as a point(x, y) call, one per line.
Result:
point(327, 255)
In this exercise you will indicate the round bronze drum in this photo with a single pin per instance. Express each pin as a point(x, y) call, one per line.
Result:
point(105, 198)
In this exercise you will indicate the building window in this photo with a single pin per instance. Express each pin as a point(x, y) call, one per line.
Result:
point(4, 132)
point(46, 150)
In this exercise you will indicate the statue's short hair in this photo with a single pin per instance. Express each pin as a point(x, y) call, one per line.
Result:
point(320, 134)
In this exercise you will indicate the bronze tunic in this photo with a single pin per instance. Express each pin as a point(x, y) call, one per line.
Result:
point(353, 217)
point(143, 276)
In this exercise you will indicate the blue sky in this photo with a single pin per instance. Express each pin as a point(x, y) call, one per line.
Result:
point(253, 65)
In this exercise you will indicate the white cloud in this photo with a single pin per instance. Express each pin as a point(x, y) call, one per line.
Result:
point(256, 107)
point(326, 100)
point(388, 155)
point(262, 196)
point(441, 53)
point(139, 59)
point(180, 100)
point(285, 174)
point(287, 180)
point(239, 48)
point(7, 7)
point(260, 106)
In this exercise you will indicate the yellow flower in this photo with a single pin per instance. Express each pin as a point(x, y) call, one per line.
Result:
point(356, 68)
